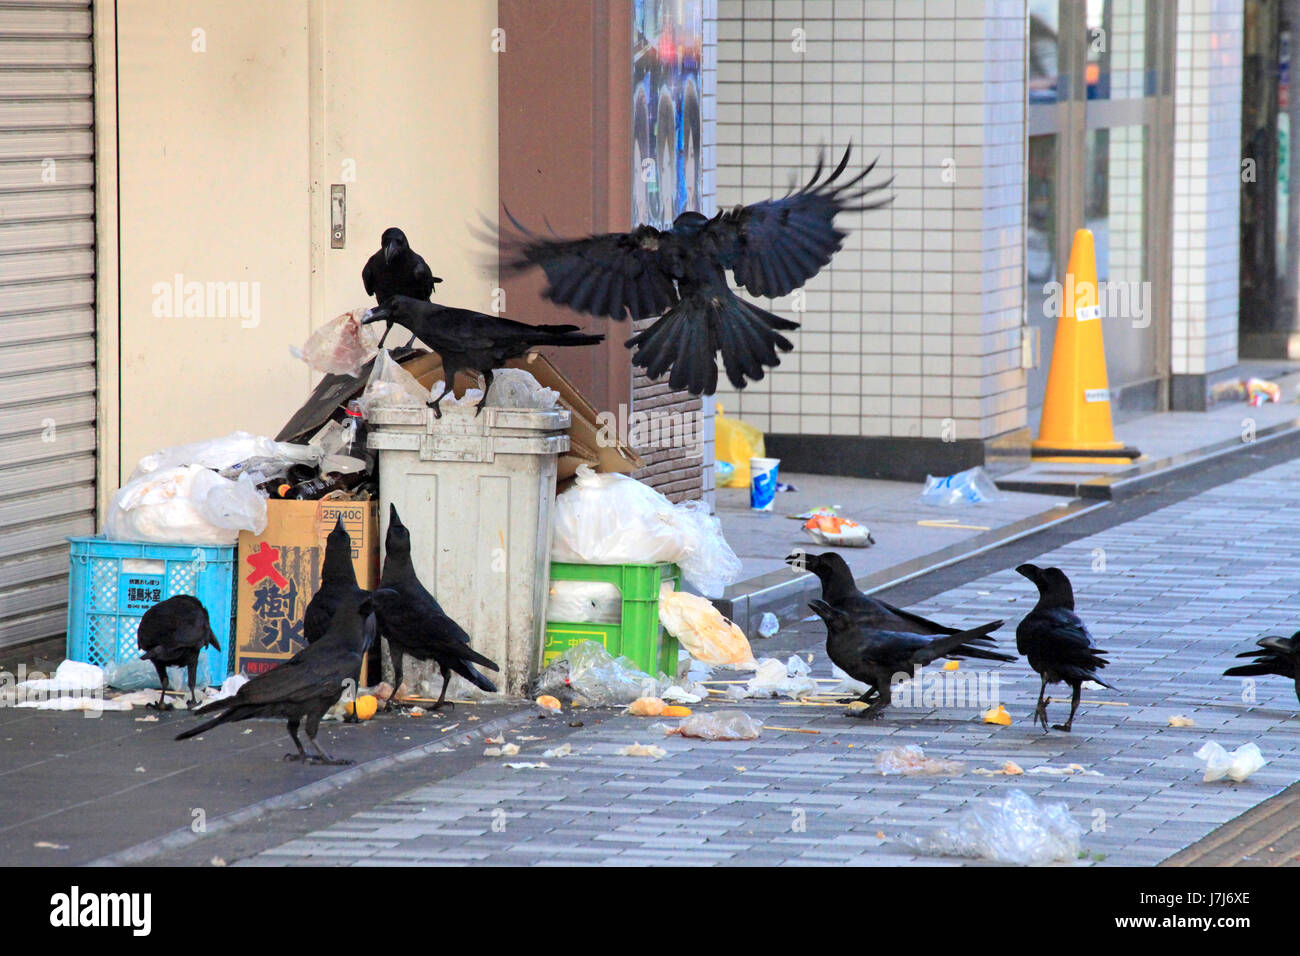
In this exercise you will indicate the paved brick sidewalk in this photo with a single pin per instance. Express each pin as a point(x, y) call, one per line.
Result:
point(1173, 595)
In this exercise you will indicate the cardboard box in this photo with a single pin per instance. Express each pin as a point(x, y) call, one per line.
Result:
point(279, 570)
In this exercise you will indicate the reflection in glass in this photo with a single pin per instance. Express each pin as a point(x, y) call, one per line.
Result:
point(1044, 20)
point(1117, 50)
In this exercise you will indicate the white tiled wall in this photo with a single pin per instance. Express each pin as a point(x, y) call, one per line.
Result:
point(917, 320)
point(1207, 183)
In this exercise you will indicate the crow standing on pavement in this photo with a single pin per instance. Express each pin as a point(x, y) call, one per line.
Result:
point(304, 687)
point(770, 247)
point(472, 341)
point(1277, 655)
point(396, 269)
point(841, 592)
point(873, 656)
point(173, 633)
point(1056, 641)
point(415, 624)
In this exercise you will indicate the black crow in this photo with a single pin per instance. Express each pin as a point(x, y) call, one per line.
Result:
point(874, 656)
point(770, 247)
point(338, 580)
point(841, 592)
point(1056, 641)
point(173, 633)
point(396, 269)
point(1277, 655)
point(305, 686)
point(472, 341)
point(415, 624)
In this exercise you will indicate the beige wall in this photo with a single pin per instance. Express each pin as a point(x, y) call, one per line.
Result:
point(226, 158)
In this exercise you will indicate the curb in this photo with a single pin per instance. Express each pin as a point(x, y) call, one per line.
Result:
point(184, 836)
point(779, 593)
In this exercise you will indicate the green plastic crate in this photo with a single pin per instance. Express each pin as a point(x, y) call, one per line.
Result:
point(638, 635)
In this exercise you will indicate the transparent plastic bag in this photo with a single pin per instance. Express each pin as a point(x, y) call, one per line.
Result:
point(591, 675)
point(185, 505)
point(719, 725)
point(911, 761)
point(342, 345)
point(970, 487)
point(614, 519)
point(701, 629)
point(1236, 766)
point(1017, 831)
point(774, 679)
point(391, 386)
point(516, 388)
point(226, 454)
point(584, 602)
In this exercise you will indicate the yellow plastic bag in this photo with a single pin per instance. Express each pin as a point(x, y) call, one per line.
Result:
point(736, 442)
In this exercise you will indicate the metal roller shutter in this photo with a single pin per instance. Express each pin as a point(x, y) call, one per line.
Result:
point(47, 314)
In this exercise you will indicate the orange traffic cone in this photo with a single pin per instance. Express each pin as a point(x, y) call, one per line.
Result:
point(1076, 424)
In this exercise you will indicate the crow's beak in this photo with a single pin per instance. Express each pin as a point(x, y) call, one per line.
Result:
point(377, 314)
point(1029, 571)
point(436, 280)
point(390, 252)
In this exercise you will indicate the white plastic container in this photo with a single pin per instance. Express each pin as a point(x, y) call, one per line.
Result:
point(477, 495)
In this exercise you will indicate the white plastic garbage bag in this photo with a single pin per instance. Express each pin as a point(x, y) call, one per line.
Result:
point(614, 519)
point(516, 388)
point(185, 505)
point(1236, 766)
point(342, 345)
point(584, 602)
point(221, 454)
point(1017, 830)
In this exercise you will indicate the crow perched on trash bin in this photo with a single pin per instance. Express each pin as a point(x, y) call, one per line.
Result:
point(173, 633)
point(415, 624)
point(841, 592)
point(396, 269)
point(472, 341)
point(770, 247)
point(1276, 655)
point(1056, 641)
point(873, 655)
point(305, 686)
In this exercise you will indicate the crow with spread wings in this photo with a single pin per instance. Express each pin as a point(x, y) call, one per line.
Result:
point(770, 247)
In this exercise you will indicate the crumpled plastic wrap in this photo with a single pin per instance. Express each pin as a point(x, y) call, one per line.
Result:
point(516, 388)
point(969, 487)
point(911, 761)
point(137, 674)
point(701, 628)
point(584, 602)
point(391, 386)
point(719, 725)
point(1017, 831)
point(610, 518)
point(775, 679)
point(222, 454)
point(590, 675)
point(342, 345)
point(1236, 766)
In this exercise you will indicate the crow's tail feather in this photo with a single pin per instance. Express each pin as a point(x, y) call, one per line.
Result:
point(957, 644)
point(467, 671)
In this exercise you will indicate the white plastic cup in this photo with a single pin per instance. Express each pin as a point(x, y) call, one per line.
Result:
point(762, 483)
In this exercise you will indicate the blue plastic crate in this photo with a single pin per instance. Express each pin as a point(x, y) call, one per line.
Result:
point(112, 583)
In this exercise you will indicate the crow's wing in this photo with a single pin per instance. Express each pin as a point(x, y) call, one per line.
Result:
point(370, 272)
point(422, 277)
point(775, 246)
point(615, 274)
point(313, 672)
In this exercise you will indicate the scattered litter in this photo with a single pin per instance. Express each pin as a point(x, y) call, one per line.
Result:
point(593, 677)
point(418, 711)
point(1017, 831)
point(92, 704)
point(642, 750)
point(768, 626)
point(1069, 770)
point(217, 861)
point(509, 750)
point(646, 707)
point(529, 737)
point(498, 739)
point(911, 761)
point(547, 702)
point(1009, 769)
point(969, 487)
point(47, 845)
point(953, 524)
point(70, 676)
point(997, 715)
point(443, 730)
point(528, 766)
point(1178, 720)
point(364, 707)
point(837, 532)
point(828, 510)
point(561, 751)
point(719, 725)
point(847, 686)
point(1236, 766)
point(702, 629)
point(675, 711)
point(774, 679)
point(793, 730)
point(679, 695)
point(150, 719)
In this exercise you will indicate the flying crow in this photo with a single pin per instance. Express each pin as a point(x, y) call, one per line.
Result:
point(770, 247)
point(1056, 641)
